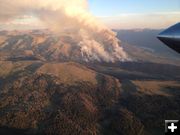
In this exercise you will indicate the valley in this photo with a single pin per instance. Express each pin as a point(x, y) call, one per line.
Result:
point(48, 87)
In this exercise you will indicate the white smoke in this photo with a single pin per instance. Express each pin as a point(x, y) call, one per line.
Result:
point(96, 41)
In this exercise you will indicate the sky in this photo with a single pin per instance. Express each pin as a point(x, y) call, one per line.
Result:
point(120, 14)
point(116, 7)
point(134, 14)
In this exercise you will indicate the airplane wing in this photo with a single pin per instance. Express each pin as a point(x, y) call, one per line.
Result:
point(171, 37)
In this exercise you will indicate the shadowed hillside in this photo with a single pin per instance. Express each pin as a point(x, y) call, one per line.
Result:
point(38, 98)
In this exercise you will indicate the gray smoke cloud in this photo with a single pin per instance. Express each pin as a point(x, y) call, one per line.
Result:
point(96, 41)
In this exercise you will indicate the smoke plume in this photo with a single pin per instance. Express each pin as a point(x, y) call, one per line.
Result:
point(96, 41)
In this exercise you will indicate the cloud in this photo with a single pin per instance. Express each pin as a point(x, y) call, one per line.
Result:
point(142, 20)
point(62, 15)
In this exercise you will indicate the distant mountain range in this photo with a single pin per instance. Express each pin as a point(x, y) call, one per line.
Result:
point(37, 45)
point(45, 45)
point(147, 40)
